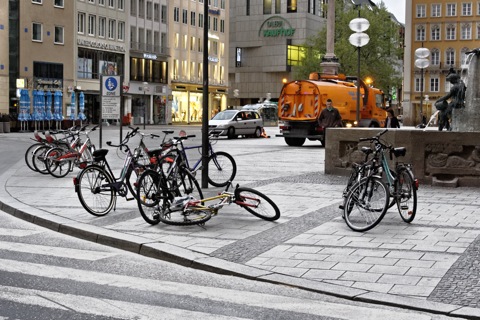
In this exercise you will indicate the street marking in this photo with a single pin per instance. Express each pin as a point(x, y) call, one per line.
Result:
point(61, 252)
point(254, 299)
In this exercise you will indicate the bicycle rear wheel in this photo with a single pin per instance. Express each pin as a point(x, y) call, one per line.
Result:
point(58, 168)
point(149, 195)
point(92, 190)
point(38, 159)
point(221, 169)
point(366, 204)
point(406, 195)
point(257, 203)
point(29, 155)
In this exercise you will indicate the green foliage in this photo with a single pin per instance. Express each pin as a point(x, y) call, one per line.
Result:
point(380, 59)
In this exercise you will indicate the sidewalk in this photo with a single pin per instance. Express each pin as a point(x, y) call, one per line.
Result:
point(431, 264)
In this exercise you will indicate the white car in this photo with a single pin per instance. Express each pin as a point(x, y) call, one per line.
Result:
point(233, 123)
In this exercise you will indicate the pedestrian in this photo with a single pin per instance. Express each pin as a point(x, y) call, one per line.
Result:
point(330, 117)
point(391, 121)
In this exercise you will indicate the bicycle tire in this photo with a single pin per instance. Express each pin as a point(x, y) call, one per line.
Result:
point(364, 214)
point(29, 155)
point(131, 180)
point(57, 168)
point(393, 200)
point(406, 195)
point(96, 201)
point(185, 186)
point(149, 196)
point(257, 203)
point(221, 169)
point(38, 159)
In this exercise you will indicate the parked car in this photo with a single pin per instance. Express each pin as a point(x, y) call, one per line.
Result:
point(233, 123)
point(267, 109)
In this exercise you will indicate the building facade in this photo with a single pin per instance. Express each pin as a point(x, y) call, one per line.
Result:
point(448, 29)
point(186, 34)
point(266, 37)
point(4, 57)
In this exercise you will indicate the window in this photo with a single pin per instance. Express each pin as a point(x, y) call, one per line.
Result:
point(192, 44)
point(291, 6)
point(215, 24)
point(200, 20)
point(466, 31)
point(102, 26)
point(450, 57)
point(149, 10)
point(450, 32)
point(81, 23)
point(278, 6)
point(215, 48)
point(419, 84)
point(156, 41)
point(101, 2)
point(156, 12)
point(200, 45)
point(184, 16)
point(434, 84)
point(176, 14)
point(185, 42)
point(111, 3)
point(420, 34)
point(436, 10)
point(148, 41)
point(176, 40)
point(466, 9)
point(121, 31)
point(37, 1)
point(247, 8)
point(121, 5)
point(193, 22)
point(91, 1)
point(58, 3)
point(451, 9)
point(111, 29)
point(164, 14)
point(478, 30)
point(133, 37)
point(37, 32)
point(141, 8)
point(222, 26)
point(421, 11)
point(435, 57)
point(141, 38)
point(58, 35)
point(222, 4)
point(133, 8)
point(92, 22)
point(435, 35)
point(267, 6)
point(296, 54)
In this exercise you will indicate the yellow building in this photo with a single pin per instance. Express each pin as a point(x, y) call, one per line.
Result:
point(448, 29)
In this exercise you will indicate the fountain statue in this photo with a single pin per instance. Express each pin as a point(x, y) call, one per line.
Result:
point(466, 117)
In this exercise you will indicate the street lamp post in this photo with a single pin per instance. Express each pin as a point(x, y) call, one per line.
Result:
point(145, 89)
point(358, 39)
point(422, 62)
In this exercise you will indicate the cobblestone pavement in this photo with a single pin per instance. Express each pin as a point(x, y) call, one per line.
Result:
point(432, 263)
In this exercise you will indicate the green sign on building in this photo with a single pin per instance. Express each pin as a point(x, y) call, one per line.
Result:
point(276, 27)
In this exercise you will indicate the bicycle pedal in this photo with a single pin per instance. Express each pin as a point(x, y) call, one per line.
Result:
point(404, 207)
point(129, 199)
point(341, 207)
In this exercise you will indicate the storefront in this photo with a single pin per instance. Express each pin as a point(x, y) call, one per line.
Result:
point(187, 105)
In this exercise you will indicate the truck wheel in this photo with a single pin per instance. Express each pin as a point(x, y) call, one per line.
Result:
point(231, 133)
point(295, 142)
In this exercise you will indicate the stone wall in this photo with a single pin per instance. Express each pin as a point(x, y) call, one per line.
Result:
point(438, 157)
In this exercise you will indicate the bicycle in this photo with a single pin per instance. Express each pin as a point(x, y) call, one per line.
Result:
point(221, 165)
point(189, 210)
point(60, 160)
point(379, 187)
point(96, 185)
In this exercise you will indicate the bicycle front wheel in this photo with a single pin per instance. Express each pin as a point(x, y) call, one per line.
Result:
point(366, 204)
point(94, 190)
point(221, 169)
point(149, 195)
point(406, 195)
point(257, 203)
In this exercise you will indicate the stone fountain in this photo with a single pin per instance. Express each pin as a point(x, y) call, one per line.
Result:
point(467, 119)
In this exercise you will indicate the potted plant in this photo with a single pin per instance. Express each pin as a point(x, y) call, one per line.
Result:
point(5, 123)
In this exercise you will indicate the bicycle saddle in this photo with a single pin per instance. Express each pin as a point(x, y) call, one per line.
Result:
point(99, 155)
point(399, 152)
point(366, 150)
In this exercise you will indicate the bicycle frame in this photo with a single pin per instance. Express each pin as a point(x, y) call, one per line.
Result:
point(197, 166)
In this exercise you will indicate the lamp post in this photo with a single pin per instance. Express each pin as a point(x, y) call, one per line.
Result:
point(145, 89)
point(358, 39)
point(422, 62)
